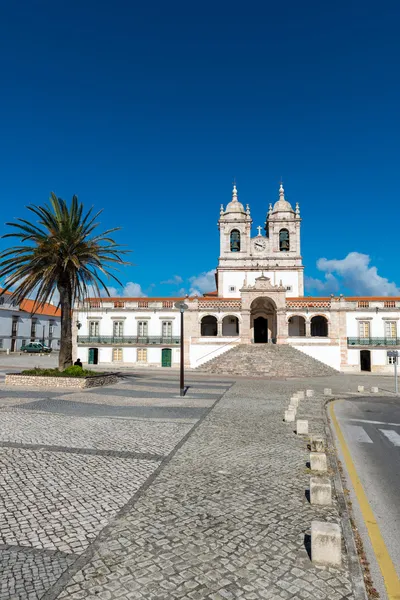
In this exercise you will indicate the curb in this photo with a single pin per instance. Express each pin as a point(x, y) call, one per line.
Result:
point(357, 578)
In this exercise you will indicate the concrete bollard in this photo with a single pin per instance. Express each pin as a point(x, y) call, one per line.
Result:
point(360, 388)
point(302, 427)
point(320, 491)
point(300, 395)
point(318, 461)
point(327, 392)
point(326, 544)
point(374, 390)
point(294, 402)
point(317, 443)
point(290, 416)
point(309, 393)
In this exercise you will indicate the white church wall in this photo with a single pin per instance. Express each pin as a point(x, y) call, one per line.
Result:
point(330, 355)
point(232, 281)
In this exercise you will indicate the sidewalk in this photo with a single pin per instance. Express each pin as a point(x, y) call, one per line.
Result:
point(226, 517)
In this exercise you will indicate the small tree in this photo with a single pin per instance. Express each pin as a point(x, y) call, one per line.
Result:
point(62, 253)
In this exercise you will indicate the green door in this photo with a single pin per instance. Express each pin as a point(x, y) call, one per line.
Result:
point(93, 358)
point(166, 357)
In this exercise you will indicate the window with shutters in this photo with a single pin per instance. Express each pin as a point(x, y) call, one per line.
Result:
point(166, 330)
point(117, 354)
point(143, 328)
point(33, 329)
point(142, 355)
point(118, 328)
point(93, 328)
point(390, 329)
point(364, 329)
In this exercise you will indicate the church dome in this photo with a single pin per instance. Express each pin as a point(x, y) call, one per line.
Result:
point(234, 205)
point(282, 205)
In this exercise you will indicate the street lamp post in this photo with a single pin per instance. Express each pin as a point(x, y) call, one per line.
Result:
point(182, 307)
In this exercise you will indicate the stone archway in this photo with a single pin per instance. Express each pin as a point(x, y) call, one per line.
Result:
point(263, 321)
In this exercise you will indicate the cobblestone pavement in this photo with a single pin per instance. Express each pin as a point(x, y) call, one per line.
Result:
point(70, 461)
point(169, 504)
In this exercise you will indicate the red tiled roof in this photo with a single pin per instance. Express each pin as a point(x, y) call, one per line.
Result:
point(28, 305)
point(141, 299)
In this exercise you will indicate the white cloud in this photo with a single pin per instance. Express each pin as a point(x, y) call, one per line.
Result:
point(133, 290)
point(355, 273)
point(175, 280)
point(205, 282)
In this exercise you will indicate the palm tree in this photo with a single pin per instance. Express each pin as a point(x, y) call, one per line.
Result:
point(60, 254)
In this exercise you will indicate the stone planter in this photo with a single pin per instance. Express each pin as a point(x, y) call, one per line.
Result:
point(61, 382)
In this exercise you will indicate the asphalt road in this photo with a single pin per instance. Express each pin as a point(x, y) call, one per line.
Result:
point(371, 427)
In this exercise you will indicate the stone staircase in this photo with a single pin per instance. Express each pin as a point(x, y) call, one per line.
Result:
point(266, 360)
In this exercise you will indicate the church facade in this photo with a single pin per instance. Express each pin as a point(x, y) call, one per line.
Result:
point(259, 300)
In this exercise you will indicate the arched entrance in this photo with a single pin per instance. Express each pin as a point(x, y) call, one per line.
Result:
point(263, 320)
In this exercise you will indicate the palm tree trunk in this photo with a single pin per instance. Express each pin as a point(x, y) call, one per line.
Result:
point(65, 356)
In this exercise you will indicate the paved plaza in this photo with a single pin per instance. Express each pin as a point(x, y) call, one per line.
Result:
point(130, 491)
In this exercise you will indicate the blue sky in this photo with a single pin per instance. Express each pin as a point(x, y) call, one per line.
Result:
point(150, 110)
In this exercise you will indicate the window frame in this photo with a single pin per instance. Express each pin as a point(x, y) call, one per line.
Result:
point(119, 352)
point(364, 326)
point(393, 333)
point(141, 352)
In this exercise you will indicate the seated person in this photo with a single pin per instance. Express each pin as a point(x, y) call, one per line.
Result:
point(78, 363)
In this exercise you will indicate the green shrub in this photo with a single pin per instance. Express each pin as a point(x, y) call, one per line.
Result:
point(73, 371)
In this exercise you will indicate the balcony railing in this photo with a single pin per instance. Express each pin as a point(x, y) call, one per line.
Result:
point(124, 340)
point(373, 341)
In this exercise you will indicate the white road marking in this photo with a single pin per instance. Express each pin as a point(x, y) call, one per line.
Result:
point(358, 434)
point(392, 436)
point(374, 422)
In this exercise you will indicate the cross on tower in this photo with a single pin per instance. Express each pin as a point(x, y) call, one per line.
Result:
point(259, 229)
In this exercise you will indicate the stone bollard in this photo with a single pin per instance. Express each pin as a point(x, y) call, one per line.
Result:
point(300, 395)
point(326, 544)
point(294, 402)
point(302, 427)
point(318, 461)
point(320, 491)
point(360, 388)
point(290, 416)
point(309, 393)
point(374, 390)
point(317, 443)
point(327, 392)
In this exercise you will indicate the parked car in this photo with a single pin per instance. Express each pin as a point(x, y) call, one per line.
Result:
point(35, 347)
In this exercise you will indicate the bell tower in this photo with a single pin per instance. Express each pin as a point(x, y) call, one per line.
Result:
point(234, 231)
point(275, 255)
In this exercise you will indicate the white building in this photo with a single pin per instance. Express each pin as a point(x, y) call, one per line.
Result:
point(259, 299)
point(18, 325)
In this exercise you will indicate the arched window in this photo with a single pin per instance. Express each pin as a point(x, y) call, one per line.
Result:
point(297, 326)
point(209, 326)
point(284, 245)
point(235, 240)
point(319, 326)
point(230, 325)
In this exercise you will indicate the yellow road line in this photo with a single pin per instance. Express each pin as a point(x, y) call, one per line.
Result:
point(390, 578)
